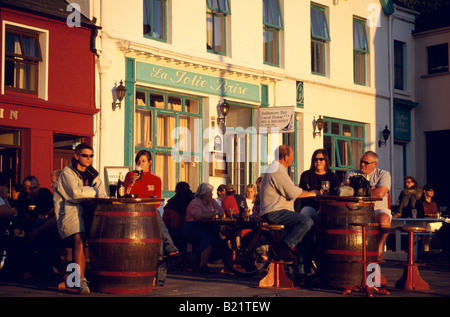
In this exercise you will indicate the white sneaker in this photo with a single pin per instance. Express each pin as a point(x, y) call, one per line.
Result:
point(84, 288)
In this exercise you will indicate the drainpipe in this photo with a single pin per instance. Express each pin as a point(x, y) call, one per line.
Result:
point(391, 92)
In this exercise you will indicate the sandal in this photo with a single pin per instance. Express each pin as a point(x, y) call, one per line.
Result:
point(174, 254)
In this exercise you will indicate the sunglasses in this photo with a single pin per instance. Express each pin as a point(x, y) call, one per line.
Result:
point(319, 159)
point(365, 162)
point(87, 155)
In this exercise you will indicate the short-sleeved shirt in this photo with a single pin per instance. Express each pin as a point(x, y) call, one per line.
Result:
point(377, 178)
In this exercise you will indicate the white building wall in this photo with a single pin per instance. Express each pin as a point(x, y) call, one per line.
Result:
point(334, 95)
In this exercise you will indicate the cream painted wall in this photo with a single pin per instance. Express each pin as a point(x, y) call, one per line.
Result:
point(334, 95)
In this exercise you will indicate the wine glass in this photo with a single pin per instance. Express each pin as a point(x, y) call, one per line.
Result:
point(325, 187)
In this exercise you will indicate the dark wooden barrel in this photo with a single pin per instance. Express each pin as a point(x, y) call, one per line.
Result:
point(124, 246)
point(339, 244)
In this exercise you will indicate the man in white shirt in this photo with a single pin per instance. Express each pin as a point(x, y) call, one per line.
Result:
point(380, 180)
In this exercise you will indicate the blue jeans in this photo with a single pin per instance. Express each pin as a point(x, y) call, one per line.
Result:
point(295, 225)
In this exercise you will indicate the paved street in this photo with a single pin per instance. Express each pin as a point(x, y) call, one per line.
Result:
point(184, 283)
point(225, 292)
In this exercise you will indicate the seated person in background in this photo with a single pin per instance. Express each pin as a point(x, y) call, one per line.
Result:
point(221, 193)
point(257, 201)
point(16, 190)
point(204, 239)
point(409, 196)
point(312, 180)
point(175, 214)
point(36, 205)
point(250, 196)
point(234, 202)
point(34, 200)
point(426, 206)
point(6, 212)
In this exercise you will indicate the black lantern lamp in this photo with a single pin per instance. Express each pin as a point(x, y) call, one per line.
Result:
point(319, 126)
point(224, 108)
point(386, 133)
point(120, 94)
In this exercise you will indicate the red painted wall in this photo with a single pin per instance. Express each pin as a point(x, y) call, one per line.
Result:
point(70, 107)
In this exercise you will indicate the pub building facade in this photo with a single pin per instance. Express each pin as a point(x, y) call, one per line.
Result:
point(47, 99)
point(283, 67)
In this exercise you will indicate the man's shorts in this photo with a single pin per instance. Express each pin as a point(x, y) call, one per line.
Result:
point(70, 222)
point(378, 211)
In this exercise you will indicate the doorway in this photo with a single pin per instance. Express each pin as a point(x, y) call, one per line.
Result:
point(10, 155)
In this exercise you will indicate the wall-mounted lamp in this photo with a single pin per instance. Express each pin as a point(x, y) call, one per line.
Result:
point(386, 133)
point(224, 107)
point(120, 94)
point(319, 125)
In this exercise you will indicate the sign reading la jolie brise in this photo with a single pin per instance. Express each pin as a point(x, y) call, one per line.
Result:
point(176, 78)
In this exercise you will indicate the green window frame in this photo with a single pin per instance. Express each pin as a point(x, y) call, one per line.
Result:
point(155, 19)
point(320, 36)
point(157, 115)
point(345, 144)
point(216, 26)
point(360, 51)
point(273, 24)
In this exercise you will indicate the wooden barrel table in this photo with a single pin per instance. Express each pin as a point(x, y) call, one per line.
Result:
point(339, 244)
point(124, 245)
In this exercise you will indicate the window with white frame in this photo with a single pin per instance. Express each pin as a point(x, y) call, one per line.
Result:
point(22, 60)
point(273, 25)
point(216, 25)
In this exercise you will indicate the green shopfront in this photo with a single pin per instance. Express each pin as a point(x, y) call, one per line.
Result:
point(172, 111)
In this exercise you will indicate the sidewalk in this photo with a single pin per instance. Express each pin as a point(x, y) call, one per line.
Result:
point(189, 284)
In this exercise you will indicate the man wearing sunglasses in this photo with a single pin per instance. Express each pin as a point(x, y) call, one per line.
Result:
point(78, 180)
point(380, 180)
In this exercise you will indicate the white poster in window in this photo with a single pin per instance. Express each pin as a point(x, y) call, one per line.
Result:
point(277, 117)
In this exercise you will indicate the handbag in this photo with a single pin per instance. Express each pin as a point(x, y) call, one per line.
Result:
point(360, 185)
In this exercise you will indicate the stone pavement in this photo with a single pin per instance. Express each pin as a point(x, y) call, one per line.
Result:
point(189, 284)
point(223, 293)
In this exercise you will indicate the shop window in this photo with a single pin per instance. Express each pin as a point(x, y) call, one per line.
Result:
point(273, 24)
point(320, 36)
point(155, 19)
point(360, 51)
point(158, 117)
point(216, 19)
point(344, 142)
point(22, 58)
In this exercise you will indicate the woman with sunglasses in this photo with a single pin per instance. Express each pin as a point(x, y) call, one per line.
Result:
point(312, 180)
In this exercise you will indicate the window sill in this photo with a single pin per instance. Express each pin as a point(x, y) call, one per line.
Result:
point(435, 75)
